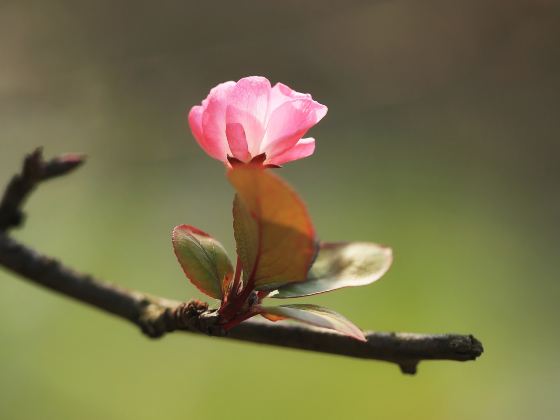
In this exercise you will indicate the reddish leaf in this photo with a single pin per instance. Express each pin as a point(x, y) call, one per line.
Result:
point(273, 231)
point(203, 259)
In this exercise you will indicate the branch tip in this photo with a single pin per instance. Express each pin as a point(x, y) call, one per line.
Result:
point(34, 171)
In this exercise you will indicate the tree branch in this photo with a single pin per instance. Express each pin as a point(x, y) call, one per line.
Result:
point(34, 171)
point(157, 316)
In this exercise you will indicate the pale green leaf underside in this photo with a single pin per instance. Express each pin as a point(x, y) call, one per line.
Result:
point(341, 264)
point(316, 316)
point(203, 259)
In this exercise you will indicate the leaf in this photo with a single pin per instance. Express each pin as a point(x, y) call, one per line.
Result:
point(273, 231)
point(246, 232)
point(314, 315)
point(341, 264)
point(203, 259)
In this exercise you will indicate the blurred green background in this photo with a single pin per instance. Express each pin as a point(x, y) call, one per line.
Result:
point(442, 140)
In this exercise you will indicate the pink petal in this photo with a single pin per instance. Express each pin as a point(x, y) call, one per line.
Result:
point(281, 93)
point(288, 123)
point(195, 122)
point(214, 122)
point(248, 106)
point(304, 148)
point(237, 141)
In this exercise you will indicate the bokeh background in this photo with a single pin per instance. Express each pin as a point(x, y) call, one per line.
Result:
point(442, 140)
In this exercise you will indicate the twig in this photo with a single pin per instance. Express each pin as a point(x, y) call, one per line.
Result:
point(34, 171)
point(157, 316)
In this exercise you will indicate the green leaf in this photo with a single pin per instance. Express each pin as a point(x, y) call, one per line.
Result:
point(341, 264)
point(314, 315)
point(246, 232)
point(203, 259)
point(273, 231)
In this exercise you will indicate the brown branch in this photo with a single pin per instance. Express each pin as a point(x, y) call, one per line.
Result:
point(34, 171)
point(157, 316)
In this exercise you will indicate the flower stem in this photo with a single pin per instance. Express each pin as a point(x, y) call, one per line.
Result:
point(233, 306)
point(237, 278)
point(236, 321)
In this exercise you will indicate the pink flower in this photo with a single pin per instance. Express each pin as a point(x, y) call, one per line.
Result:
point(248, 119)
